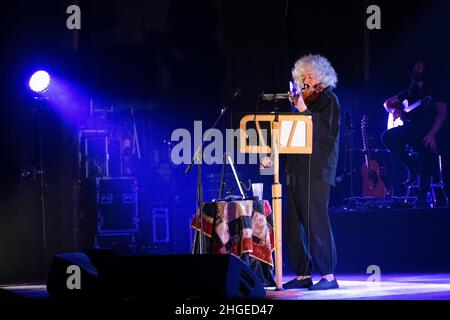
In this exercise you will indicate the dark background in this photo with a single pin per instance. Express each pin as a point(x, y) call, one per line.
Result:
point(176, 62)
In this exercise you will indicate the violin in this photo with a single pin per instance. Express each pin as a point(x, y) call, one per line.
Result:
point(309, 94)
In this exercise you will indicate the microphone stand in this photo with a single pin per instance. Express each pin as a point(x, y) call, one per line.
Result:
point(223, 184)
point(198, 157)
point(348, 157)
point(349, 135)
point(222, 176)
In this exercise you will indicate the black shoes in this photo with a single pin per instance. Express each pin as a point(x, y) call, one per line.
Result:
point(324, 284)
point(298, 284)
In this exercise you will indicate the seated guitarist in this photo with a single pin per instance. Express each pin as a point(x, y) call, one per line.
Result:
point(419, 131)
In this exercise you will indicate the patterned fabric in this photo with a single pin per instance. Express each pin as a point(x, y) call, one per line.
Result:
point(238, 227)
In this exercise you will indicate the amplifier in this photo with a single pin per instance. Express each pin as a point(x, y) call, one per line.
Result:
point(117, 205)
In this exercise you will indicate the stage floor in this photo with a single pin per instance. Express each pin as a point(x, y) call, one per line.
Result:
point(390, 287)
point(352, 287)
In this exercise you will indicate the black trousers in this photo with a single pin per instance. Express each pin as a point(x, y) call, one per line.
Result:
point(396, 140)
point(308, 232)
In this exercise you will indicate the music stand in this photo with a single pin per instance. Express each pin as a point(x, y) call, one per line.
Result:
point(290, 133)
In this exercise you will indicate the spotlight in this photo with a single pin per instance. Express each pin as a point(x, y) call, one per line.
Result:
point(39, 81)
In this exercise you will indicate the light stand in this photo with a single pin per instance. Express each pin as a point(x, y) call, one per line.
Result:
point(38, 108)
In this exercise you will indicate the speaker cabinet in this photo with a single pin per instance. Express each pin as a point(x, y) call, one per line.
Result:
point(63, 276)
point(155, 277)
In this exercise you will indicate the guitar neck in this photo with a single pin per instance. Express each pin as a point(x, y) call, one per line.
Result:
point(368, 158)
point(417, 104)
point(365, 142)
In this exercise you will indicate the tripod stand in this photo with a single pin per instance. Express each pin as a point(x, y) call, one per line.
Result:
point(198, 158)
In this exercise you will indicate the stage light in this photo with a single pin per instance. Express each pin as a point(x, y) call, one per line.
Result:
point(39, 81)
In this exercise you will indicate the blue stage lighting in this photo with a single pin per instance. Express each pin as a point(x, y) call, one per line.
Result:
point(39, 81)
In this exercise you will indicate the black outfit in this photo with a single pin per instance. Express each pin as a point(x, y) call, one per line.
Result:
point(416, 124)
point(308, 185)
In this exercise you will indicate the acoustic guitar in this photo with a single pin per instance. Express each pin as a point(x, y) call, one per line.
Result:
point(373, 175)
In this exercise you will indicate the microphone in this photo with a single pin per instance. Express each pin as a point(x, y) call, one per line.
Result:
point(345, 174)
point(340, 178)
point(236, 93)
point(274, 96)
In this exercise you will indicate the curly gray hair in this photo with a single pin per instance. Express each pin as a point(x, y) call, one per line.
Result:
point(321, 66)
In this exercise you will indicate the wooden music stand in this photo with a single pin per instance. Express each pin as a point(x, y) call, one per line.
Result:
point(290, 133)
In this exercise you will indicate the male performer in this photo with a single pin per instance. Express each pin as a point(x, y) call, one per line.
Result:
point(307, 229)
point(419, 130)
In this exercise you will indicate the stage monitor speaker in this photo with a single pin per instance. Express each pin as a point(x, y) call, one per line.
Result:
point(72, 276)
point(156, 277)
